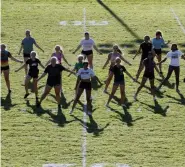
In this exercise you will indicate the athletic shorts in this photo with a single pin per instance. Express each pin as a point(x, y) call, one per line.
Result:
point(149, 75)
point(117, 83)
point(26, 55)
point(87, 53)
point(33, 74)
point(158, 51)
point(5, 68)
point(85, 85)
point(53, 82)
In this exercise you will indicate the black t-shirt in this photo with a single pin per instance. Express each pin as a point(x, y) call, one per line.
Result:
point(33, 64)
point(118, 73)
point(149, 65)
point(146, 47)
point(54, 72)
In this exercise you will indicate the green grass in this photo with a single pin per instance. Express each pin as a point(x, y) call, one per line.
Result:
point(148, 138)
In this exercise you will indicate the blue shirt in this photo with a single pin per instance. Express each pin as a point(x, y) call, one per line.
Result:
point(157, 43)
point(28, 44)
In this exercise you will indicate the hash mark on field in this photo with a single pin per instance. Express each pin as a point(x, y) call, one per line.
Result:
point(178, 20)
point(57, 165)
point(98, 165)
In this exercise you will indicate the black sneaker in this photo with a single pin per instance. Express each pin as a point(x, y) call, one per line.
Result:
point(161, 72)
point(26, 95)
point(38, 104)
point(9, 91)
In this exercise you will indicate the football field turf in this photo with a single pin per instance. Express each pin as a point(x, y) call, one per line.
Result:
point(142, 135)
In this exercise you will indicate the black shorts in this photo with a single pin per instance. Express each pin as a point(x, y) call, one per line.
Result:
point(149, 75)
point(87, 53)
point(85, 85)
point(158, 51)
point(53, 82)
point(5, 68)
point(33, 74)
point(117, 83)
point(26, 55)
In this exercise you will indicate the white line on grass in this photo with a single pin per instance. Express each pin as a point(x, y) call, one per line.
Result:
point(85, 108)
point(177, 18)
point(58, 165)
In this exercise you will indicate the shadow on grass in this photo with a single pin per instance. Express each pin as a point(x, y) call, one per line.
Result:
point(96, 83)
point(7, 102)
point(167, 84)
point(119, 19)
point(157, 108)
point(125, 116)
point(179, 101)
point(63, 101)
point(92, 126)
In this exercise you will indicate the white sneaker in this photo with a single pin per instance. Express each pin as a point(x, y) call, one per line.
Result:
point(71, 112)
point(89, 113)
point(123, 105)
point(154, 98)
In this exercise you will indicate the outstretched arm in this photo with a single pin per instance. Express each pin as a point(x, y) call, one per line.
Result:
point(183, 57)
point(162, 61)
point(122, 58)
point(95, 47)
point(39, 47)
point(43, 75)
point(139, 51)
point(66, 61)
point(21, 67)
point(70, 71)
point(42, 65)
point(20, 49)
point(78, 47)
point(107, 61)
point(16, 60)
point(130, 75)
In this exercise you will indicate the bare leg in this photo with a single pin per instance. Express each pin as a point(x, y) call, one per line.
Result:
point(177, 73)
point(7, 80)
point(26, 82)
point(122, 92)
point(160, 65)
point(114, 88)
point(108, 82)
point(57, 92)
point(26, 67)
point(46, 92)
point(152, 88)
point(140, 87)
point(88, 98)
point(139, 70)
point(90, 60)
point(35, 87)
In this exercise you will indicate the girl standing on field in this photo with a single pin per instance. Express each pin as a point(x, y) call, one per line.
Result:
point(33, 72)
point(145, 48)
point(117, 71)
point(54, 80)
point(112, 59)
point(158, 43)
point(5, 69)
point(174, 56)
point(149, 65)
point(87, 45)
point(27, 46)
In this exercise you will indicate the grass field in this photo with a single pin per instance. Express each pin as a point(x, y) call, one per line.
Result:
point(144, 135)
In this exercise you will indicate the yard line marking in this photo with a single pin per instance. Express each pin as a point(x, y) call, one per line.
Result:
point(122, 165)
point(85, 109)
point(57, 165)
point(98, 165)
point(178, 20)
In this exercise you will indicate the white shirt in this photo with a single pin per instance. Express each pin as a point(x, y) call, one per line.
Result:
point(87, 44)
point(85, 74)
point(175, 57)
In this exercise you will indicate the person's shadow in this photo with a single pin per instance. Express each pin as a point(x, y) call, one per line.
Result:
point(92, 126)
point(7, 102)
point(96, 83)
point(125, 116)
point(157, 108)
point(179, 101)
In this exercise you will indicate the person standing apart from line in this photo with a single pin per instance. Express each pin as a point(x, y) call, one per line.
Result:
point(87, 45)
point(158, 43)
point(33, 72)
point(27, 46)
point(5, 69)
point(112, 58)
point(149, 65)
point(174, 56)
point(85, 75)
point(145, 48)
point(119, 81)
point(54, 80)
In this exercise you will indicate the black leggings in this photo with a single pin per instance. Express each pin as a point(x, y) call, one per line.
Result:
point(177, 73)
